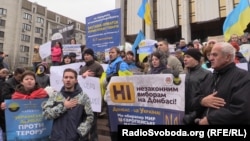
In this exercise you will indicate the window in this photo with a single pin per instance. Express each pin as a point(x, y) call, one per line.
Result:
point(24, 48)
point(23, 60)
point(3, 11)
point(57, 19)
point(39, 30)
point(1, 46)
point(69, 22)
point(40, 20)
point(2, 22)
point(1, 34)
point(38, 41)
point(27, 16)
point(26, 27)
point(25, 38)
point(78, 26)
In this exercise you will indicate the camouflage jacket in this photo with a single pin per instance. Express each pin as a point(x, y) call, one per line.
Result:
point(69, 124)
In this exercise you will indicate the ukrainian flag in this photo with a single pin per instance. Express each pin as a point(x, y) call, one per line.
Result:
point(237, 21)
point(144, 12)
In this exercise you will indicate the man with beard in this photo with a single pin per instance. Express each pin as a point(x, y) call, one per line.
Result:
point(70, 108)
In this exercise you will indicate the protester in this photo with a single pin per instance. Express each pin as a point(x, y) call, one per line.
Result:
point(7, 89)
point(239, 58)
point(206, 64)
point(56, 54)
point(180, 55)
point(29, 88)
point(132, 64)
point(3, 74)
point(116, 67)
point(2, 63)
point(42, 77)
point(116, 64)
point(123, 54)
point(173, 62)
point(9, 86)
point(72, 55)
point(182, 45)
point(66, 60)
point(195, 76)
point(73, 41)
point(70, 109)
point(36, 59)
point(94, 69)
point(226, 96)
point(158, 63)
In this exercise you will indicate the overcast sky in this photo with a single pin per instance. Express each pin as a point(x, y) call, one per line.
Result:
point(77, 9)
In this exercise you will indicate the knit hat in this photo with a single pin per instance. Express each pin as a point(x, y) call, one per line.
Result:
point(195, 53)
point(72, 54)
point(89, 51)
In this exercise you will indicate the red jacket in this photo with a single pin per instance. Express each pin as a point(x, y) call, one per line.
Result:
point(56, 54)
point(36, 94)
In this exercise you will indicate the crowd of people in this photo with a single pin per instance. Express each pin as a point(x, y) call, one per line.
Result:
point(216, 90)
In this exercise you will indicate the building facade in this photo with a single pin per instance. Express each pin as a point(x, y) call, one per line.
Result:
point(24, 25)
point(175, 19)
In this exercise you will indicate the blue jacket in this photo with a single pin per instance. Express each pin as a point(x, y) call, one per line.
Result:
point(112, 66)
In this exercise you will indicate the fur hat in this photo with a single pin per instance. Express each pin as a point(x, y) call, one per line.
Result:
point(89, 51)
point(195, 53)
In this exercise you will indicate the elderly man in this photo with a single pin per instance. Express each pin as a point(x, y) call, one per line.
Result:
point(227, 100)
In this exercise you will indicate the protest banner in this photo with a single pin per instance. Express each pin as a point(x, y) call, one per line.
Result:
point(148, 100)
point(89, 85)
point(76, 48)
point(103, 30)
point(45, 50)
point(24, 120)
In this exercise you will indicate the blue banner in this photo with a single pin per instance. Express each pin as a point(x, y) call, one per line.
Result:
point(146, 49)
point(103, 30)
point(24, 120)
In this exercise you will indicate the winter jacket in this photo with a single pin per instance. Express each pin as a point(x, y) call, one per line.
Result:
point(36, 57)
point(232, 84)
point(69, 124)
point(36, 93)
point(42, 78)
point(193, 80)
point(112, 67)
point(56, 54)
point(93, 66)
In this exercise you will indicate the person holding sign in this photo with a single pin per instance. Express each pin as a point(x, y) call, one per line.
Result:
point(93, 69)
point(7, 89)
point(29, 88)
point(70, 108)
point(56, 54)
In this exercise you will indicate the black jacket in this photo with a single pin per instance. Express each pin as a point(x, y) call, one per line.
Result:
point(194, 79)
point(233, 85)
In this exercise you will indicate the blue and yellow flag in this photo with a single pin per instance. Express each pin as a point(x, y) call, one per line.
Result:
point(144, 12)
point(140, 36)
point(237, 21)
